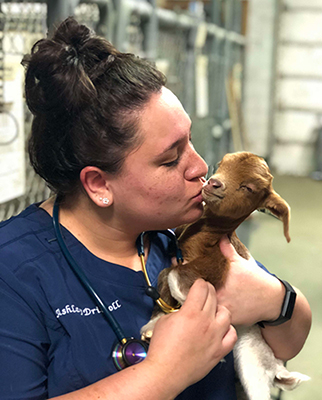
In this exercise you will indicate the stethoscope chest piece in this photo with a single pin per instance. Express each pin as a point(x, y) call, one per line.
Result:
point(133, 351)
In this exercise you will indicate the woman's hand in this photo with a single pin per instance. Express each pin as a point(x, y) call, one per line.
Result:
point(185, 346)
point(250, 293)
point(188, 344)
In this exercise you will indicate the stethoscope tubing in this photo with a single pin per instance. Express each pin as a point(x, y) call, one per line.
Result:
point(151, 291)
point(83, 278)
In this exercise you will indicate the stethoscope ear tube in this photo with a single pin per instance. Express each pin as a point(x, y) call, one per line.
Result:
point(167, 232)
point(152, 291)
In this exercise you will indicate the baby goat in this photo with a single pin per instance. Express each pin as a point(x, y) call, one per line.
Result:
point(242, 184)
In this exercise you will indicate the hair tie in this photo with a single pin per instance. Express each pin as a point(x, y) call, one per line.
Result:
point(110, 59)
point(72, 55)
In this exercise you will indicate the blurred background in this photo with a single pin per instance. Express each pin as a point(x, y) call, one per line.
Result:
point(249, 73)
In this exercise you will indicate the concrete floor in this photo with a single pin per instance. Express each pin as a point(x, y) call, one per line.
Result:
point(300, 263)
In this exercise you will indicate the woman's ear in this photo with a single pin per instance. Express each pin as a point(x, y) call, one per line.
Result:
point(95, 183)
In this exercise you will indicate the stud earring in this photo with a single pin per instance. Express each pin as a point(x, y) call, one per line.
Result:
point(105, 200)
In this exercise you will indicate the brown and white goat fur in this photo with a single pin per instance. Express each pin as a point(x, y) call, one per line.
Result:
point(242, 184)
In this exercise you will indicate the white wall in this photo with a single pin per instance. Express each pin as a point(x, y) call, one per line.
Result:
point(298, 99)
point(291, 83)
point(258, 73)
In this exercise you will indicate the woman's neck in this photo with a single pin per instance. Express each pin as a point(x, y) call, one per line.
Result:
point(97, 231)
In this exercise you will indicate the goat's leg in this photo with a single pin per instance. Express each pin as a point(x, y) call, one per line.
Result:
point(287, 380)
point(257, 367)
point(182, 277)
point(170, 292)
point(173, 286)
point(175, 282)
point(249, 353)
point(147, 329)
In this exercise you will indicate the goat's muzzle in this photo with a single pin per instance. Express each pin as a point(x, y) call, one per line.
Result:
point(214, 189)
point(216, 183)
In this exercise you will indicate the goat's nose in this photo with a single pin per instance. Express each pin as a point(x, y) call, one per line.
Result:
point(216, 183)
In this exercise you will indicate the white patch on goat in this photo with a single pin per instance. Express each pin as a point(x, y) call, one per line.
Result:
point(147, 329)
point(286, 380)
point(173, 283)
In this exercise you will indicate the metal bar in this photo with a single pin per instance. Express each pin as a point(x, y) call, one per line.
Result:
point(105, 26)
point(123, 12)
point(226, 68)
point(143, 8)
point(300, 44)
point(317, 173)
point(170, 19)
point(215, 11)
point(151, 37)
point(22, 1)
point(272, 94)
point(300, 109)
point(167, 18)
point(294, 9)
point(282, 75)
point(296, 142)
point(237, 21)
point(2, 29)
point(58, 10)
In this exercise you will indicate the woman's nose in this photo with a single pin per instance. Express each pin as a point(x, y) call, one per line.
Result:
point(197, 167)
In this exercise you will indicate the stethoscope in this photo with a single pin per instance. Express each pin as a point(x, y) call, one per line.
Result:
point(127, 351)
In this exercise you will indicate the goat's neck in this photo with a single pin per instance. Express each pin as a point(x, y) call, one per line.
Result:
point(219, 224)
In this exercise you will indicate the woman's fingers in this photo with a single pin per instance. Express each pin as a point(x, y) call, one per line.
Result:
point(196, 338)
point(223, 319)
point(202, 298)
point(199, 296)
point(210, 305)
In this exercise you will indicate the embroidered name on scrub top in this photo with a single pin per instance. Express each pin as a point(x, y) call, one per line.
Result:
point(85, 312)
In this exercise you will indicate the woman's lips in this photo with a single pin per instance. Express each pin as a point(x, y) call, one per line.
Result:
point(198, 196)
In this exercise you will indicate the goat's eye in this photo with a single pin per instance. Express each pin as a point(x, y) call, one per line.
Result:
point(249, 189)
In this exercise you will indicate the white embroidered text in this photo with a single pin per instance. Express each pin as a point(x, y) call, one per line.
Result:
point(85, 312)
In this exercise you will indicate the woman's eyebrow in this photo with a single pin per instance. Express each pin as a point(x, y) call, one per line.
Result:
point(171, 146)
point(174, 145)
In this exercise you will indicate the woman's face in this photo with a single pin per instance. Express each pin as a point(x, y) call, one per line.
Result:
point(160, 183)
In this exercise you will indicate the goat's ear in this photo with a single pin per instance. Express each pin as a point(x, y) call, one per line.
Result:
point(278, 207)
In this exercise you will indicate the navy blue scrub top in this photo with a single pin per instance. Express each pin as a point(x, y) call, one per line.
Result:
point(53, 338)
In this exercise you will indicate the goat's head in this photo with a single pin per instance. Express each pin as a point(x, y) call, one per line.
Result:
point(242, 184)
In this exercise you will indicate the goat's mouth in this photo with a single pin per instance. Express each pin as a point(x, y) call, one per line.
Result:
point(209, 195)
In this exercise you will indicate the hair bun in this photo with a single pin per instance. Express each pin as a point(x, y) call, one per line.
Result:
point(73, 37)
point(85, 95)
point(56, 78)
point(71, 33)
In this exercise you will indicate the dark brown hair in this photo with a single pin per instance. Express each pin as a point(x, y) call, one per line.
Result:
point(85, 96)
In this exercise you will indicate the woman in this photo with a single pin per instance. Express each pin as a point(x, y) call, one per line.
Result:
point(114, 145)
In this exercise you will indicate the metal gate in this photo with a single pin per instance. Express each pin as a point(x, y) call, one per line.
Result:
point(200, 51)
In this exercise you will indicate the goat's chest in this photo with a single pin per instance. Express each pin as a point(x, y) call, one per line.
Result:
point(205, 260)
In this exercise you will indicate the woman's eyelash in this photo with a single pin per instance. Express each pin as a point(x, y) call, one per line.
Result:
point(172, 163)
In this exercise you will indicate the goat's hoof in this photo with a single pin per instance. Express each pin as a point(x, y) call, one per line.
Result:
point(147, 330)
point(146, 336)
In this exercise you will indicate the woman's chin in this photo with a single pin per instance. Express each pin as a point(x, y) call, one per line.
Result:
point(193, 215)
